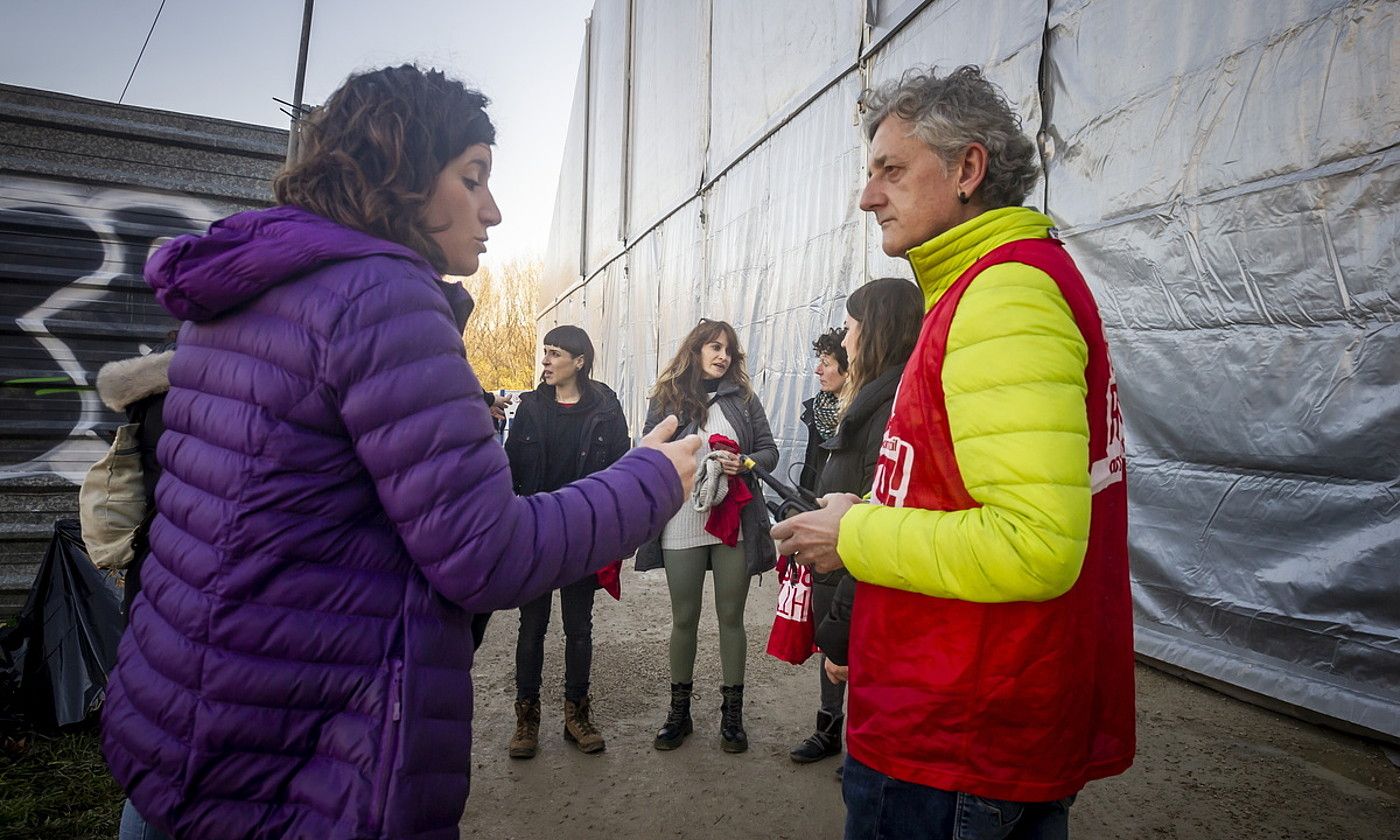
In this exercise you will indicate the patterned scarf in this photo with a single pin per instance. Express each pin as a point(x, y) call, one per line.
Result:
point(825, 408)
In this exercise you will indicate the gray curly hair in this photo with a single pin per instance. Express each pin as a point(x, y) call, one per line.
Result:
point(953, 112)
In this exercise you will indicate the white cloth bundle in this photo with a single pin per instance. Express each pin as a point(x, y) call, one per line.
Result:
point(711, 484)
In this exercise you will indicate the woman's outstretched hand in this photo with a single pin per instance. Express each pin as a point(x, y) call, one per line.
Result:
point(681, 452)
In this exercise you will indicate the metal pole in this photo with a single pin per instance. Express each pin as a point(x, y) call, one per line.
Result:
point(293, 133)
point(587, 141)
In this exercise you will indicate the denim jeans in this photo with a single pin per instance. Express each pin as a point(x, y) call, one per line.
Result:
point(576, 604)
point(881, 808)
point(135, 827)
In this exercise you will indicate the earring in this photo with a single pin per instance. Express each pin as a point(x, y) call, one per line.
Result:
point(962, 196)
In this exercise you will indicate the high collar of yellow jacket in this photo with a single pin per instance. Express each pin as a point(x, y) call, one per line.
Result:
point(939, 262)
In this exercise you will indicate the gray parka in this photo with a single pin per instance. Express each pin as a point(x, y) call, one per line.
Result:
point(755, 440)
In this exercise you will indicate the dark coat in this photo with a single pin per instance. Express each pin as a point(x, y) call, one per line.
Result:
point(834, 633)
point(755, 440)
point(853, 451)
point(814, 459)
point(603, 441)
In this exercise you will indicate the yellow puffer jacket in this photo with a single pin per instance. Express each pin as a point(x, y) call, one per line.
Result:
point(1014, 383)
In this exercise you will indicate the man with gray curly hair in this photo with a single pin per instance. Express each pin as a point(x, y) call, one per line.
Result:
point(991, 659)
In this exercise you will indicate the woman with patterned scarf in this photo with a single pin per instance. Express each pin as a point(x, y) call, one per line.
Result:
point(821, 413)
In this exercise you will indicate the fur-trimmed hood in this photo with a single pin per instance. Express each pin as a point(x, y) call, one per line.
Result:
point(127, 381)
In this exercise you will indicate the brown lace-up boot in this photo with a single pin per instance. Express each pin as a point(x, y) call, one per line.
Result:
point(578, 726)
point(527, 729)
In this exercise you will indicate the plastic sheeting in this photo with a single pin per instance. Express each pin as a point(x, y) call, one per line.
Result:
point(765, 55)
point(782, 246)
point(664, 271)
point(1229, 185)
point(1233, 200)
point(54, 660)
point(608, 38)
point(670, 111)
point(563, 264)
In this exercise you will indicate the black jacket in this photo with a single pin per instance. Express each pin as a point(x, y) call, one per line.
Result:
point(853, 451)
point(603, 441)
point(834, 633)
point(755, 439)
point(814, 459)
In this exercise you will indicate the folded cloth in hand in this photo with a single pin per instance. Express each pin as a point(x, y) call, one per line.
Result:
point(711, 484)
point(728, 502)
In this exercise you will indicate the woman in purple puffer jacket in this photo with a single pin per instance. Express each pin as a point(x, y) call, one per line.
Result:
point(335, 505)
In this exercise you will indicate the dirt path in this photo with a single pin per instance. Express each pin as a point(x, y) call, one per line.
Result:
point(1207, 766)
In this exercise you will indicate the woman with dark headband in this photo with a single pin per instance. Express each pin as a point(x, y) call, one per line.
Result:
point(334, 504)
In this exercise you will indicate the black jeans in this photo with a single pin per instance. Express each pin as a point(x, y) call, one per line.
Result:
point(833, 694)
point(881, 808)
point(576, 603)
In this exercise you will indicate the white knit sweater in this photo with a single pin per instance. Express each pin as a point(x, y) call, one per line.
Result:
point(687, 528)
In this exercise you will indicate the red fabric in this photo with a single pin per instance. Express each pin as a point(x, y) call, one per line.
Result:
point(725, 517)
point(610, 579)
point(1021, 701)
point(794, 629)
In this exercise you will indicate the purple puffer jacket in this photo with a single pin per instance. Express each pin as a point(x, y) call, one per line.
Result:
point(334, 508)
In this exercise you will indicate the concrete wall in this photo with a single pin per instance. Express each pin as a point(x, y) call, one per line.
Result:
point(86, 189)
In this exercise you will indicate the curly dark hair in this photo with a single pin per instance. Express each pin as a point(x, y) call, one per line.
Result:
point(829, 344)
point(368, 157)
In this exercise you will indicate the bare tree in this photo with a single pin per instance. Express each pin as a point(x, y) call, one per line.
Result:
point(501, 334)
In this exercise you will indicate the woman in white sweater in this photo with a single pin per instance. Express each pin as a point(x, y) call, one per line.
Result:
point(707, 373)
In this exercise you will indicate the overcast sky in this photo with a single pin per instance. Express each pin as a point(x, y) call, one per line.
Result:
point(227, 59)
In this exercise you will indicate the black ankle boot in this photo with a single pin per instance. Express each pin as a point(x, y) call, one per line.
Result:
point(677, 724)
point(823, 743)
point(733, 738)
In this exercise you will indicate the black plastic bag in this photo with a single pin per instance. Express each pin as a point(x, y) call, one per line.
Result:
point(54, 661)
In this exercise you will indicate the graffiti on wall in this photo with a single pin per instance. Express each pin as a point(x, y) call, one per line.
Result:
point(72, 298)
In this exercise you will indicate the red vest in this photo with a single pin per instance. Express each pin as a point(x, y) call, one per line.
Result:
point(1021, 701)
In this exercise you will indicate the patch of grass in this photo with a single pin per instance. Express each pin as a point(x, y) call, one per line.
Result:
point(56, 786)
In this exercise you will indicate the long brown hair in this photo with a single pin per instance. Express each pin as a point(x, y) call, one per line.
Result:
point(890, 311)
point(680, 389)
point(369, 157)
